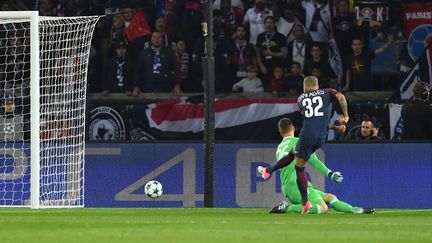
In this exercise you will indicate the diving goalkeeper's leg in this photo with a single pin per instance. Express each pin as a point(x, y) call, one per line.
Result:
point(314, 209)
point(285, 207)
point(344, 207)
point(318, 205)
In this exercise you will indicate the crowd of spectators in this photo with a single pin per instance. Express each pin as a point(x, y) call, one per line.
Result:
point(157, 46)
point(259, 46)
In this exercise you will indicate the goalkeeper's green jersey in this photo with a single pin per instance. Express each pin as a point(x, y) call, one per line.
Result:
point(288, 174)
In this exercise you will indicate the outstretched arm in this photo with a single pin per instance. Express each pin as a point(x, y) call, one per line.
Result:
point(391, 39)
point(319, 165)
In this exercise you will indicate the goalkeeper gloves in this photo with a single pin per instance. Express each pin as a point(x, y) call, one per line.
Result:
point(335, 176)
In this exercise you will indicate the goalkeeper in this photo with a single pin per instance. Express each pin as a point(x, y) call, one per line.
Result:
point(318, 199)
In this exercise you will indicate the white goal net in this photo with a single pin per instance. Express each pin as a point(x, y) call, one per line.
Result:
point(42, 119)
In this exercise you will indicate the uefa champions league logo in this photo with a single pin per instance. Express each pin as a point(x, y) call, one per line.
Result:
point(9, 129)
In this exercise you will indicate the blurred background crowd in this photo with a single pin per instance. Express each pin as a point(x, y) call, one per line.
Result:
point(260, 45)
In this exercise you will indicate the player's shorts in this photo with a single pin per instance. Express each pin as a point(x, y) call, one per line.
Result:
point(315, 196)
point(307, 145)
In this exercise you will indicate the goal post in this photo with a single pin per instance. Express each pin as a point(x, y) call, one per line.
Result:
point(35, 107)
point(43, 76)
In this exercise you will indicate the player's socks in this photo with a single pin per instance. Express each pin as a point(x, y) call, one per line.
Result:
point(284, 161)
point(297, 208)
point(316, 209)
point(302, 183)
point(341, 206)
point(344, 207)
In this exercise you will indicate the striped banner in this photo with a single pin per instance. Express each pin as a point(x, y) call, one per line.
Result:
point(177, 115)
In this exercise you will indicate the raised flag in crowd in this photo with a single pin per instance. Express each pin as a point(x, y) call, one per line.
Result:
point(418, 31)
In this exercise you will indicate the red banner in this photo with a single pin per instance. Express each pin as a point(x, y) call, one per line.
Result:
point(414, 15)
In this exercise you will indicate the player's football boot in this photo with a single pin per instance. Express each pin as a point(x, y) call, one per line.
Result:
point(358, 210)
point(368, 210)
point(281, 208)
point(306, 207)
point(263, 172)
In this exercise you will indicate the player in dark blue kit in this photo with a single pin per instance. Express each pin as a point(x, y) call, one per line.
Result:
point(315, 106)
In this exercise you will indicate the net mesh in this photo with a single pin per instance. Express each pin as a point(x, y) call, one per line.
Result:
point(64, 50)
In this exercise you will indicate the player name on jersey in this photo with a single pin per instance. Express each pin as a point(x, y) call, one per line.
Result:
point(311, 94)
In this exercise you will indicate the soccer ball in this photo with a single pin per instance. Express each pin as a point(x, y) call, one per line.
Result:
point(153, 189)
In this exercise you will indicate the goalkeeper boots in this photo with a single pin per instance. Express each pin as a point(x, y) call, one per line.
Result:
point(368, 210)
point(262, 171)
point(358, 210)
point(281, 208)
point(306, 207)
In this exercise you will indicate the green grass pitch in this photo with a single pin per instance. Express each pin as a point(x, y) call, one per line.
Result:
point(210, 225)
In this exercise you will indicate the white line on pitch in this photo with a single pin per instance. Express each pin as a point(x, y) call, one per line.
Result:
point(403, 210)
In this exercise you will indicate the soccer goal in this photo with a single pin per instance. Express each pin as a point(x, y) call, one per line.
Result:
point(43, 78)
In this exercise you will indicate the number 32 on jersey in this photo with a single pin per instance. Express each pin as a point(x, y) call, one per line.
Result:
point(313, 106)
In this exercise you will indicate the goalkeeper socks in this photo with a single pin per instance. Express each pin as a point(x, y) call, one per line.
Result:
point(297, 208)
point(341, 206)
point(284, 161)
point(302, 183)
point(316, 209)
point(294, 208)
